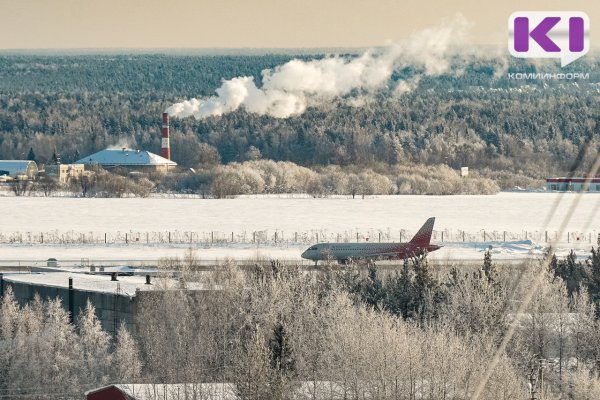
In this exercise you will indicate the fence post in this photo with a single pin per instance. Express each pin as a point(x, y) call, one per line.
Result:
point(104, 237)
point(546, 237)
point(275, 237)
point(43, 238)
point(463, 232)
point(484, 235)
point(253, 237)
point(71, 301)
point(295, 237)
point(125, 238)
point(442, 236)
point(169, 236)
point(357, 236)
point(212, 237)
point(379, 236)
point(231, 237)
point(504, 237)
point(147, 237)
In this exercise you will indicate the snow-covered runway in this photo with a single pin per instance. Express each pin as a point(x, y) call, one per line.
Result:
point(148, 255)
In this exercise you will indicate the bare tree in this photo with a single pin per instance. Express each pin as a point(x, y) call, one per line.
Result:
point(47, 185)
point(21, 187)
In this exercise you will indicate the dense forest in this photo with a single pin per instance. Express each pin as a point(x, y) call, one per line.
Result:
point(274, 332)
point(514, 132)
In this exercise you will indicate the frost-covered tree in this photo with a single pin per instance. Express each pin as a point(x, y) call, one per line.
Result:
point(252, 372)
point(9, 319)
point(47, 353)
point(9, 315)
point(125, 361)
point(94, 346)
point(59, 348)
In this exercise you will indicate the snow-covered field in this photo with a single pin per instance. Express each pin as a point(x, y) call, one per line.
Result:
point(505, 211)
point(512, 212)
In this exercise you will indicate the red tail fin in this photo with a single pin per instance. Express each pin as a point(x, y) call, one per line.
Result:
point(423, 237)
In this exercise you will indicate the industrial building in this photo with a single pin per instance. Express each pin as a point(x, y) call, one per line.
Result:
point(114, 300)
point(113, 291)
point(18, 169)
point(573, 184)
point(65, 172)
point(137, 160)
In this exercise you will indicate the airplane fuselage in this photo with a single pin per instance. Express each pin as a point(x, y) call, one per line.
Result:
point(344, 252)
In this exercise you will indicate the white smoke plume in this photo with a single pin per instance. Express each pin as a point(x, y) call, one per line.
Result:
point(123, 143)
point(290, 88)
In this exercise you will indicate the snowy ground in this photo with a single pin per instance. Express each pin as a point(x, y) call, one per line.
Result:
point(139, 255)
point(512, 212)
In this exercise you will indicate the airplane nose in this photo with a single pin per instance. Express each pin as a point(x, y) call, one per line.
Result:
point(303, 255)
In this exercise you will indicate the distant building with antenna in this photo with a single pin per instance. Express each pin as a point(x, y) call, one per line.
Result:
point(136, 160)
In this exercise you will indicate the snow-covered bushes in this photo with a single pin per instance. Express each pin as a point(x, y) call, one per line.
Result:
point(42, 354)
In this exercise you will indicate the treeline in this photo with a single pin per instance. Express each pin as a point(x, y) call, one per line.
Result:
point(494, 125)
point(270, 177)
point(265, 177)
point(274, 332)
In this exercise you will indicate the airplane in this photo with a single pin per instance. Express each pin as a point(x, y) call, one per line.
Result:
point(345, 253)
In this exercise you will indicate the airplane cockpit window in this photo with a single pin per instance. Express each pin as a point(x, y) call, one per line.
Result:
point(313, 248)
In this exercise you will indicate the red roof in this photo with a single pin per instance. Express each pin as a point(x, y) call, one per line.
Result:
point(110, 392)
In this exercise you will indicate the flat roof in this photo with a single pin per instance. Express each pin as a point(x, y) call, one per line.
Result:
point(573, 180)
point(126, 285)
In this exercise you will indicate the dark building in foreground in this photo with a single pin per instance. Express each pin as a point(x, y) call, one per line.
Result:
point(575, 184)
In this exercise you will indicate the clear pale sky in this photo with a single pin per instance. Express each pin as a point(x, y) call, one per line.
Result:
point(41, 24)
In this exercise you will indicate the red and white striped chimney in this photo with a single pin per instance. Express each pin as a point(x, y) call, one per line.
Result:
point(165, 147)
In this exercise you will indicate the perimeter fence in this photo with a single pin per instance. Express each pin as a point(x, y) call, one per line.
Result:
point(283, 238)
